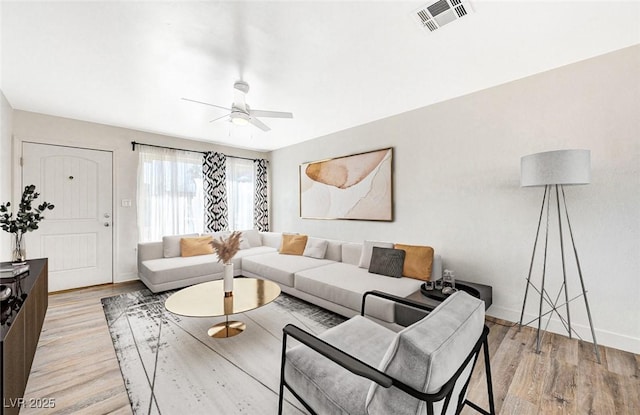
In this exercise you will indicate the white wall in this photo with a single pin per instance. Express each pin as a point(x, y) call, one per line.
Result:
point(456, 185)
point(6, 127)
point(28, 126)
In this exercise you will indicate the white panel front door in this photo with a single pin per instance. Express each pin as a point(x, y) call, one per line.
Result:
point(77, 234)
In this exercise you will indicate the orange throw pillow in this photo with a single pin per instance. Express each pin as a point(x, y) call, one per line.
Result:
point(196, 246)
point(293, 244)
point(418, 261)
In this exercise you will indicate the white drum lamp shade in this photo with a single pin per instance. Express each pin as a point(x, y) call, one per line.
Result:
point(556, 167)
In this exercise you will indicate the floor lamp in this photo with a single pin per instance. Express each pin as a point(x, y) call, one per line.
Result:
point(554, 170)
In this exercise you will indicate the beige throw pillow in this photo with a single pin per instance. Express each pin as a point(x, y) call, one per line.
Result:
point(171, 244)
point(418, 261)
point(196, 246)
point(293, 244)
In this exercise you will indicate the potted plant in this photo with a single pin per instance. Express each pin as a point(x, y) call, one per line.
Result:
point(26, 219)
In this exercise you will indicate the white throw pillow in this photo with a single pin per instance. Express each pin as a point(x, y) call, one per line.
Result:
point(316, 248)
point(218, 235)
point(244, 243)
point(365, 258)
point(252, 237)
point(171, 244)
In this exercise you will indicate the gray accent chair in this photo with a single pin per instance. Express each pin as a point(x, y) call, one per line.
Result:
point(361, 367)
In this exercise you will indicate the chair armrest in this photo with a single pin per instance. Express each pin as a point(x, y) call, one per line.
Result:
point(394, 298)
point(360, 368)
point(336, 355)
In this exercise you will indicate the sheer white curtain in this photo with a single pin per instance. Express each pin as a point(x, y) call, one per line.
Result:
point(170, 193)
point(240, 189)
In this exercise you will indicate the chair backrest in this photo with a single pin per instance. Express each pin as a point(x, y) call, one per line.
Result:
point(427, 354)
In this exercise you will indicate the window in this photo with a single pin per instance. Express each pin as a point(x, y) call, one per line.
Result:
point(170, 193)
point(240, 193)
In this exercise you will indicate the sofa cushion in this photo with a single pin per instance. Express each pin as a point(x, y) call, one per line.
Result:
point(351, 253)
point(316, 248)
point(171, 244)
point(344, 284)
point(426, 355)
point(178, 268)
point(417, 262)
point(293, 244)
point(272, 239)
point(367, 249)
point(200, 245)
point(280, 268)
point(326, 385)
point(243, 253)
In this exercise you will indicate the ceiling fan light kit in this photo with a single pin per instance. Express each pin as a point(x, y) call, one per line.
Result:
point(239, 118)
point(240, 113)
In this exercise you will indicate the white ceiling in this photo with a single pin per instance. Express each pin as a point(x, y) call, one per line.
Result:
point(334, 64)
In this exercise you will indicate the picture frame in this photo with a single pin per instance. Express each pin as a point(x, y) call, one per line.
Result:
point(353, 187)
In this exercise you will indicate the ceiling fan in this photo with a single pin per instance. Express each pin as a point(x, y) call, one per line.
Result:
point(240, 113)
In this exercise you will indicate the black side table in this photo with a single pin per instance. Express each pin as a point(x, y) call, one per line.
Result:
point(406, 315)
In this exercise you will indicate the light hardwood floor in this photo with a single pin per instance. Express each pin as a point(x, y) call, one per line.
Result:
point(76, 365)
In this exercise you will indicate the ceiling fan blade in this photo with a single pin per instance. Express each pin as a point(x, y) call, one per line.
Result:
point(219, 118)
point(206, 103)
point(271, 114)
point(259, 124)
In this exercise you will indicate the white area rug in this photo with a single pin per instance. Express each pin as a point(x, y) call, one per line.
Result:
point(171, 366)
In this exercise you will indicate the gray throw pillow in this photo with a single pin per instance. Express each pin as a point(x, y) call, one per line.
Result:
point(367, 249)
point(387, 261)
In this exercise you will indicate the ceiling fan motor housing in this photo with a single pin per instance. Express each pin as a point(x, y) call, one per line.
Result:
point(241, 86)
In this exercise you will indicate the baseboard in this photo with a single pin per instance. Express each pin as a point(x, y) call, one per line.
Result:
point(603, 337)
point(130, 276)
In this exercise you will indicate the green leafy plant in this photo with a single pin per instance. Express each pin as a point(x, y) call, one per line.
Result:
point(25, 220)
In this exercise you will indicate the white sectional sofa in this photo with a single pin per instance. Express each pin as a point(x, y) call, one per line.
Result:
point(335, 282)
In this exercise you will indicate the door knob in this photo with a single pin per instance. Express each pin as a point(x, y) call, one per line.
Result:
point(106, 224)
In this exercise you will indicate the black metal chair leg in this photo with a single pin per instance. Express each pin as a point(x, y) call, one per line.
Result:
point(487, 365)
point(284, 352)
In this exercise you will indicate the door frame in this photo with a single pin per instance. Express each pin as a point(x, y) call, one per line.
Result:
point(18, 186)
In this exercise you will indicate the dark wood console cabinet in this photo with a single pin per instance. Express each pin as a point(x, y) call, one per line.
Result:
point(22, 319)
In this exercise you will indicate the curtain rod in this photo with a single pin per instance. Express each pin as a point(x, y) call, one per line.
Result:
point(134, 144)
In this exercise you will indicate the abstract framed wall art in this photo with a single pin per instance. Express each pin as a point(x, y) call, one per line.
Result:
point(358, 186)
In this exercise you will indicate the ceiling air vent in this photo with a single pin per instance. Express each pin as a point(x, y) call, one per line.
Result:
point(436, 14)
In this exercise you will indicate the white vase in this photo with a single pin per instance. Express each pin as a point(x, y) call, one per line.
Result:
point(228, 279)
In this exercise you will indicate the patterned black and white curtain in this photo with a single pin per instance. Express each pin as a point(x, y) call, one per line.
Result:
point(214, 172)
point(261, 204)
